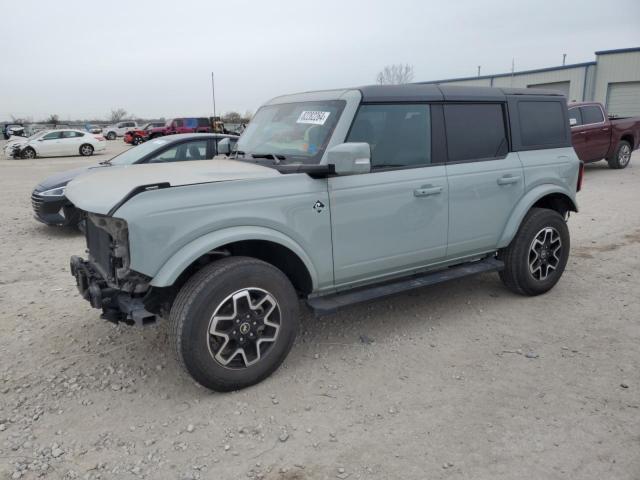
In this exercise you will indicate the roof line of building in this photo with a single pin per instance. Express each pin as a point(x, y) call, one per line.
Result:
point(522, 72)
point(618, 50)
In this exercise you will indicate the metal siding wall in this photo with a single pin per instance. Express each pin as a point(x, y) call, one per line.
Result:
point(471, 82)
point(615, 67)
point(573, 75)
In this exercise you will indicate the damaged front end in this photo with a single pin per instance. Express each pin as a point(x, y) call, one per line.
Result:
point(105, 279)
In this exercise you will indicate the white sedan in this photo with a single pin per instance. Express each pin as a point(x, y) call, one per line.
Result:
point(52, 143)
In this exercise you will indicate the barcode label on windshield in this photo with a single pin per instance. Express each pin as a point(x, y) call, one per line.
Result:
point(313, 117)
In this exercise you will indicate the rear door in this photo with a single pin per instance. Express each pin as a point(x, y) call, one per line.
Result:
point(70, 142)
point(596, 130)
point(485, 179)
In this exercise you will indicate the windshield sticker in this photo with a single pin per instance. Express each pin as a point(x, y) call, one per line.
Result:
point(313, 117)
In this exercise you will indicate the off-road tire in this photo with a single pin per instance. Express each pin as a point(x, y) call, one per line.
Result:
point(111, 136)
point(197, 301)
point(28, 153)
point(621, 157)
point(86, 150)
point(517, 275)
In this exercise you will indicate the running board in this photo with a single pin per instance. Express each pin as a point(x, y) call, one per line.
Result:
point(331, 303)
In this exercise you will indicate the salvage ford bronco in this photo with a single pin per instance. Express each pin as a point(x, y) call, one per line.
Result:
point(334, 198)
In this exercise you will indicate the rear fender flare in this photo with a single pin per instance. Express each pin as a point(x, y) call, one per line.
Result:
point(193, 250)
point(525, 204)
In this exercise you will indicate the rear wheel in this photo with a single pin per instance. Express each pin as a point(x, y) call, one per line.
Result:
point(28, 153)
point(111, 136)
point(234, 322)
point(538, 254)
point(137, 140)
point(86, 150)
point(621, 157)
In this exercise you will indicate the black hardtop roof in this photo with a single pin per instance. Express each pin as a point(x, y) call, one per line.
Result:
point(415, 92)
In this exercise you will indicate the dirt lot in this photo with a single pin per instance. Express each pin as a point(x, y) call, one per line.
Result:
point(463, 380)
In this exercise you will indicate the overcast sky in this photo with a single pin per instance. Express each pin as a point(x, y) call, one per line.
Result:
point(80, 59)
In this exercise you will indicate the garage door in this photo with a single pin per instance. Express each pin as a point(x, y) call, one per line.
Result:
point(623, 99)
point(560, 86)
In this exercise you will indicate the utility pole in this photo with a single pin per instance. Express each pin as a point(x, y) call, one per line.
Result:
point(213, 94)
point(513, 69)
point(564, 59)
point(479, 69)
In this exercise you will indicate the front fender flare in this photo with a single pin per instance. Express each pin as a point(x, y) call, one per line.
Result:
point(193, 250)
point(525, 204)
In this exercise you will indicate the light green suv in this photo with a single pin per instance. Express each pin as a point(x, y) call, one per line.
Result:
point(333, 198)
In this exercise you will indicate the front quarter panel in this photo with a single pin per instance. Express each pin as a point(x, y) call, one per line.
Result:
point(169, 228)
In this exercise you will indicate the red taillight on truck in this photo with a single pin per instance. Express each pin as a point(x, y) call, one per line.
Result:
point(580, 176)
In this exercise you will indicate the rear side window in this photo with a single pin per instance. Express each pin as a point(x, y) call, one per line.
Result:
point(541, 123)
point(203, 122)
point(399, 135)
point(591, 114)
point(574, 114)
point(475, 131)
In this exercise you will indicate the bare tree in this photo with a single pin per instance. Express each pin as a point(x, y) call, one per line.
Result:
point(395, 74)
point(53, 119)
point(231, 117)
point(117, 115)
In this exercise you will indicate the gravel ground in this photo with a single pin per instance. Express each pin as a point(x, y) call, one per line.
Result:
point(458, 381)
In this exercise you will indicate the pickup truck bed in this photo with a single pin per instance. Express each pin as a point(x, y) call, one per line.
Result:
point(596, 136)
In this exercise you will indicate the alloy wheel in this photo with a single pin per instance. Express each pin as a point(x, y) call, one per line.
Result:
point(624, 155)
point(544, 253)
point(86, 150)
point(243, 328)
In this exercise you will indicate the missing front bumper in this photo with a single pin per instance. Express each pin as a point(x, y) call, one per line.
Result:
point(117, 306)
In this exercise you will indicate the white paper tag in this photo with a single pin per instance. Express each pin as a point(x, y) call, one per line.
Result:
point(313, 117)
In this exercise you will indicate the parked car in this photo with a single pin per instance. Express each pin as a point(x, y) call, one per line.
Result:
point(56, 143)
point(9, 129)
point(596, 137)
point(182, 125)
point(335, 198)
point(139, 135)
point(111, 132)
point(93, 128)
point(51, 206)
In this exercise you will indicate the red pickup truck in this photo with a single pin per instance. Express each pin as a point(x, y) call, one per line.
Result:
point(182, 125)
point(596, 136)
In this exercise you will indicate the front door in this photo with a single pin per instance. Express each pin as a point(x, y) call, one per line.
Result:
point(49, 144)
point(485, 180)
point(393, 219)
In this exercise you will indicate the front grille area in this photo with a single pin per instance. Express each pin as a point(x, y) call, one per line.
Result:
point(36, 203)
point(99, 245)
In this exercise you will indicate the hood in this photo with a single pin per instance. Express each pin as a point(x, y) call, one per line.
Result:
point(99, 190)
point(62, 178)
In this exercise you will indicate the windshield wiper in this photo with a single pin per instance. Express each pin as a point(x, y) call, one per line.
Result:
point(275, 156)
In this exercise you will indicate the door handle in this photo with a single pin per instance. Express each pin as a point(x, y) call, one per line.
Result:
point(426, 191)
point(508, 180)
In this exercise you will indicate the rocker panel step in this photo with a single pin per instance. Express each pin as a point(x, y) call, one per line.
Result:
point(331, 303)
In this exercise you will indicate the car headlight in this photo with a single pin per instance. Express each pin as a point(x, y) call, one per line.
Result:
point(54, 192)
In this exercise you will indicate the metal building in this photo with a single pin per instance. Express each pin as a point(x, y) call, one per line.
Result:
point(613, 79)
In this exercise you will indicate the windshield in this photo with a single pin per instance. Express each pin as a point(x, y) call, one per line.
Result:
point(294, 132)
point(131, 156)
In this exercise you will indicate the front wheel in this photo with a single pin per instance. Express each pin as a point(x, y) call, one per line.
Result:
point(86, 150)
point(137, 140)
point(28, 153)
point(538, 254)
point(234, 322)
point(621, 157)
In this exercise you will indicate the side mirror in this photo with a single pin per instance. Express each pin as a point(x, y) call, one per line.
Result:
point(224, 147)
point(350, 158)
point(573, 122)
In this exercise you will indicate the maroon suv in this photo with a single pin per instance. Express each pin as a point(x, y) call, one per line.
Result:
point(595, 136)
point(182, 125)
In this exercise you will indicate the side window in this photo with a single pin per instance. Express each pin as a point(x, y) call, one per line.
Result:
point(183, 152)
point(591, 114)
point(68, 134)
point(399, 135)
point(178, 122)
point(541, 123)
point(475, 131)
point(52, 136)
point(575, 117)
point(203, 122)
